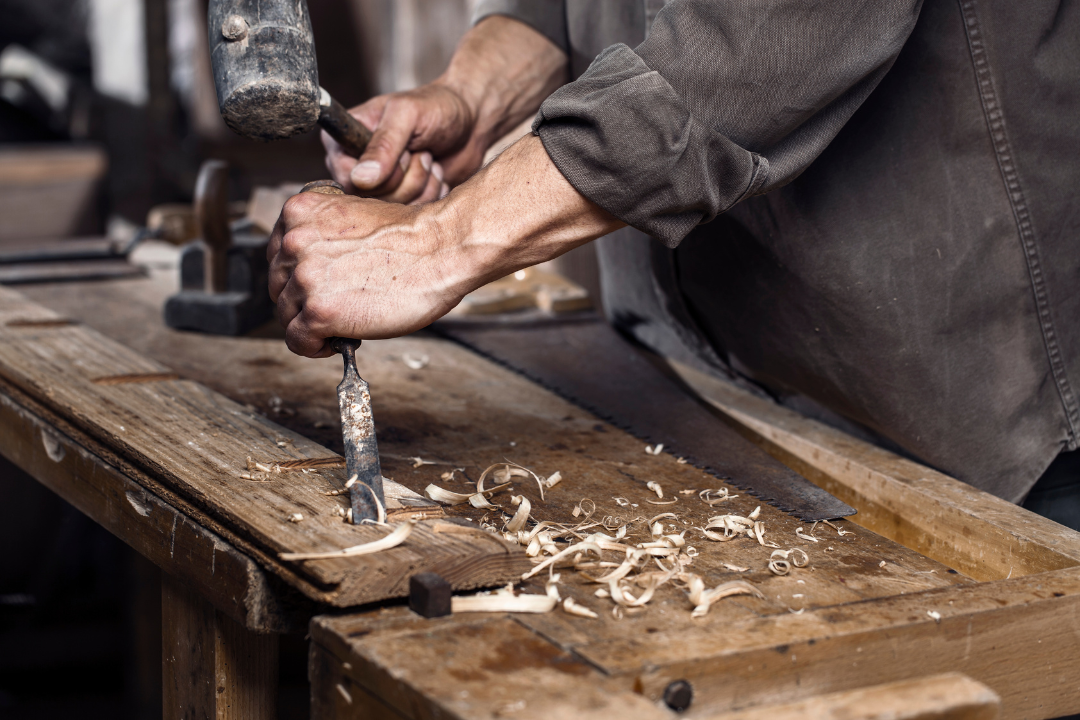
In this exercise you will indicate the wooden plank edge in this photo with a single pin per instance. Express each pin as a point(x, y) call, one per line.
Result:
point(949, 696)
point(28, 412)
point(520, 668)
point(1017, 636)
point(181, 547)
point(973, 532)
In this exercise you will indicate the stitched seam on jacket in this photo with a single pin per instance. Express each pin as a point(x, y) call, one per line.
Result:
point(995, 122)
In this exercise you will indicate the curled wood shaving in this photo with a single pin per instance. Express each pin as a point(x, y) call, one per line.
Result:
point(552, 480)
point(655, 487)
point(681, 461)
point(662, 516)
point(584, 546)
point(936, 616)
point(515, 470)
point(296, 517)
point(517, 523)
point(755, 514)
point(780, 561)
point(703, 599)
point(503, 600)
point(580, 508)
point(449, 497)
point(573, 608)
point(800, 534)
point(654, 449)
point(480, 502)
point(395, 538)
point(415, 361)
point(621, 501)
point(839, 530)
point(551, 589)
point(735, 568)
point(881, 564)
point(663, 502)
point(420, 462)
point(721, 494)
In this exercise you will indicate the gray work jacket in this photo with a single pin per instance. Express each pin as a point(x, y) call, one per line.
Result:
point(871, 204)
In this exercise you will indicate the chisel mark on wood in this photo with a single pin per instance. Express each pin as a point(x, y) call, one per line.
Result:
point(43, 323)
point(172, 537)
point(135, 378)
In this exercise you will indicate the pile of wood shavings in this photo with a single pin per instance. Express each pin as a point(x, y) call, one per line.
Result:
point(640, 568)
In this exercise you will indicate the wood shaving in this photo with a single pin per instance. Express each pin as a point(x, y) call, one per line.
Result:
point(395, 538)
point(703, 599)
point(415, 361)
point(503, 600)
point(935, 615)
point(735, 568)
point(449, 497)
point(517, 523)
point(584, 546)
point(573, 608)
point(655, 487)
point(721, 494)
point(481, 503)
point(621, 501)
point(654, 449)
point(881, 564)
point(418, 461)
point(552, 480)
point(296, 517)
point(800, 534)
point(754, 515)
point(839, 530)
point(663, 502)
point(780, 561)
point(681, 461)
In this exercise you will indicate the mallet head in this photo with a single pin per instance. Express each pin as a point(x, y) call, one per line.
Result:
point(263, 56)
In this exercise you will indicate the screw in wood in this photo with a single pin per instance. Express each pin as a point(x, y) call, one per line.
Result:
point(678, 695)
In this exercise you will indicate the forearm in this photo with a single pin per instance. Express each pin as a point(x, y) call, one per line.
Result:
point(516, 212)
point(503, 70)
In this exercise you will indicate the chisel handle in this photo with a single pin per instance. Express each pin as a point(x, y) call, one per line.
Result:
point(343, 127)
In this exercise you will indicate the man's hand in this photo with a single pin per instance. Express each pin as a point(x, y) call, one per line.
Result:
point(367, 269)
point(434, 137)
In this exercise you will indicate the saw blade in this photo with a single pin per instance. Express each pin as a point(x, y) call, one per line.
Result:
point(591, 365)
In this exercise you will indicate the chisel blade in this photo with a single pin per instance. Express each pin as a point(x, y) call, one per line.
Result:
point(358, 432)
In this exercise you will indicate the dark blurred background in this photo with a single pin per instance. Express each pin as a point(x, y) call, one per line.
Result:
point(107, 109)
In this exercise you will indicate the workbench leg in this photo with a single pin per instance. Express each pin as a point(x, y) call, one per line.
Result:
point(213, 668)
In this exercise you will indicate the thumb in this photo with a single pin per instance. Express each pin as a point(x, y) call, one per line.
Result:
point(384, 151)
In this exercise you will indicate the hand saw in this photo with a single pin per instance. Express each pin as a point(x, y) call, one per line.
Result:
point(590, 364)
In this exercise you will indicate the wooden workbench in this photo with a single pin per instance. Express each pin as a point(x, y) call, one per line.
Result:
point(936, 577)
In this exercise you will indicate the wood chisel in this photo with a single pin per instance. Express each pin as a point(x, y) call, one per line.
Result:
point(362, 467)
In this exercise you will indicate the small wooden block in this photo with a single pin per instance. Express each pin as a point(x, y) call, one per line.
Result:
point(429, 595)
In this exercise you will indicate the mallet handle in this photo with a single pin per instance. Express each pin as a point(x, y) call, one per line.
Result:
point(343, 127)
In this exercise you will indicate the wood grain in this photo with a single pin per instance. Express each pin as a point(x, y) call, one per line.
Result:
point(197, 442)
point(951, 696)
point(211, 666)
point(974, 532)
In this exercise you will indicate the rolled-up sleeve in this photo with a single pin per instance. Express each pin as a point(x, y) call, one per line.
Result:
point(722, 101)
point(547, 17)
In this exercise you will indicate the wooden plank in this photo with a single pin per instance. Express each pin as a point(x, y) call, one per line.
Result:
point(485, 667)
point(223, 575)
point(196, 442)
point(951, 696)
point(211, 666)
point(1017, 636)
point(974, 532)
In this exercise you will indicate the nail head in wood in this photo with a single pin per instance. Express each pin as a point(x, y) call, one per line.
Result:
point(678, 695)
point(429, 595)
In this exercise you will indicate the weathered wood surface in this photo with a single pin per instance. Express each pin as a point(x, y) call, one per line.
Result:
point(64, 460)
point(859, 623)
point(974, 532)
point(196, 442)
point(212, 667)
point(951, 696)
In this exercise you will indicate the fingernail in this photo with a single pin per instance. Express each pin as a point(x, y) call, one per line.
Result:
point(404, 160)
point(437, 171)
point(425, 161)
point(365, 174)
point(444, 191)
